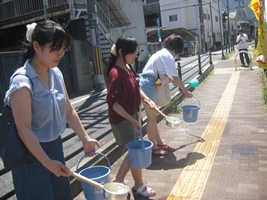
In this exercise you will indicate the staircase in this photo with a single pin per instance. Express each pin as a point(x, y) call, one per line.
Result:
point(111, 18)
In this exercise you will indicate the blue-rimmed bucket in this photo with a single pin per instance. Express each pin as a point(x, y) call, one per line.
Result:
point(99, 174)
point(140, 152)
point(190, 112)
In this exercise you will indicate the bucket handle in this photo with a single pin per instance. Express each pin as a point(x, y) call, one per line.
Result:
point(141, 136)
point(199, 106)
point(85, 155)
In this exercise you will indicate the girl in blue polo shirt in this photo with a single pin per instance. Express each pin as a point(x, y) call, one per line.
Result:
point(41, 108)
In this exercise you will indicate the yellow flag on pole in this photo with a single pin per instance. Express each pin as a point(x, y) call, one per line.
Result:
point(260, 54)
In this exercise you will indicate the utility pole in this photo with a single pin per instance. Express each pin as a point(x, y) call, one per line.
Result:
point(201, 24)
point(239, 13)
point(211, 21)
point(199, 32)
point(220, 24)
point(228, 24)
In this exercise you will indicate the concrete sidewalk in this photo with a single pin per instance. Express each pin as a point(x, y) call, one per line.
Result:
point(222, 156)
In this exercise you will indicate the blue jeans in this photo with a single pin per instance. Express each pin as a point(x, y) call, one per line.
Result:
point(147, 85)
point(34, 181)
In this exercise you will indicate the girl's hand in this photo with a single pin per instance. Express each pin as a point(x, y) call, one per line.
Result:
point(58, 168)
point(188, 94)
point(89, 146)
point(171, 80)
point(136, 125)
point(150, 103)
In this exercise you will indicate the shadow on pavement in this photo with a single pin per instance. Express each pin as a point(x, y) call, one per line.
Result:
point(168, 162)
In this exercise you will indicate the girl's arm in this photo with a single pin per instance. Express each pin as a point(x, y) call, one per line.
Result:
point(21, 109)
point(180, 84)
point(119, 109)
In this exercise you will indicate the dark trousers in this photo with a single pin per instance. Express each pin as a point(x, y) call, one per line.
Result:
point(241, 55)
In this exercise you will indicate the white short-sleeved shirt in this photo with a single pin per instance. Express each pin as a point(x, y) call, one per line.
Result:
point(243, 44)
point(164, 61)
point(48, 105)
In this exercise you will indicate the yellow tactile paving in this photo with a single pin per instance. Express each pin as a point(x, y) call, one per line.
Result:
point(191, 183)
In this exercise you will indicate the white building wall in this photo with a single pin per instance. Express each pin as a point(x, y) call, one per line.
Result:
point(137, 27)
point(188, 17)
point(185, 12)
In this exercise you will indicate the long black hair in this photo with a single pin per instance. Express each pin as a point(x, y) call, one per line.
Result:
point(127, 45)
point(46, 32)
point(174, 43)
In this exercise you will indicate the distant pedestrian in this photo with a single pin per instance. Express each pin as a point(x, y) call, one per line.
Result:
point(242, 43)
point(41, 108)
point(123, 99)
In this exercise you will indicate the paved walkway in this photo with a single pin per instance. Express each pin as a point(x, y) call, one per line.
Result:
point(222, 156)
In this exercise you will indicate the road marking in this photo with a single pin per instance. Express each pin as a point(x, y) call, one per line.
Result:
point(193, 179)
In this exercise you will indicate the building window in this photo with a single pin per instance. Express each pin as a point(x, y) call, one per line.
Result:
point(208, 16)
point(172, 18)
point(205, 16)
point(216, 18)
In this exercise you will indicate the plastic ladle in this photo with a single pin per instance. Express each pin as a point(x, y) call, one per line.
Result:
point(87, 180)
point(193, 83)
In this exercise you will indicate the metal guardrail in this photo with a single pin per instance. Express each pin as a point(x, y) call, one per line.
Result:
point(16, 8)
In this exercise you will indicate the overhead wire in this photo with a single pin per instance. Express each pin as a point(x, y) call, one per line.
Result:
point(203, 3)
point(188, 1)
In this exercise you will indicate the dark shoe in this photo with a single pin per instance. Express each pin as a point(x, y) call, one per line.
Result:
point(243, 65)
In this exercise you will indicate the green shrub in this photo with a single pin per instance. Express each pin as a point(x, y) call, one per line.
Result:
point(174, 107)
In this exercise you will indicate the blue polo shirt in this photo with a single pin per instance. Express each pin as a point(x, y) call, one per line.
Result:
point(48, 105)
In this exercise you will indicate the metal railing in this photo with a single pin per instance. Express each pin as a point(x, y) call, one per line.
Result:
point(17, 8)
point(106, 26)
point(8, 64)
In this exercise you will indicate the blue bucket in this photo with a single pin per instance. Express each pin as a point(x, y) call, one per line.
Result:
point(190, 112)
point(140, 152)
point(99, 174)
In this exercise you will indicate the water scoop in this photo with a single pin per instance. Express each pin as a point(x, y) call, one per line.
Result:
point(193, 83)
point(172, 122)
point(110, 190)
